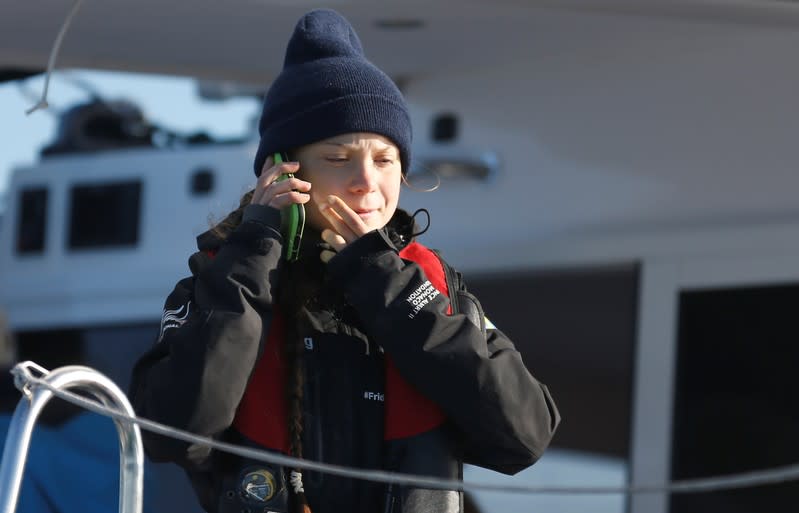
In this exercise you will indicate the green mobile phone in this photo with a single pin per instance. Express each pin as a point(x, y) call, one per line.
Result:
point(292, 219)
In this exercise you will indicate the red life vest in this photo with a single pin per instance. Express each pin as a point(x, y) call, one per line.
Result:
point(261, 415)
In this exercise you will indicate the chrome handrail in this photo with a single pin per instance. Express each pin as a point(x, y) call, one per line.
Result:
point(15, 452)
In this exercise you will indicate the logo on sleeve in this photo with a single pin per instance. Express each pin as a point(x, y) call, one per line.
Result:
point(420, 297)
point(174, 319)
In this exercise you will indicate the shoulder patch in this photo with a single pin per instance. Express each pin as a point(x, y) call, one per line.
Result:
point(174, 318)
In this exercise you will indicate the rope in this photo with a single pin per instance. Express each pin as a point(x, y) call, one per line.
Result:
point(42, 103)
point(27, 382)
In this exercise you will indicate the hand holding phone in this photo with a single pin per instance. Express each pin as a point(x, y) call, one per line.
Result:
point(292, 219)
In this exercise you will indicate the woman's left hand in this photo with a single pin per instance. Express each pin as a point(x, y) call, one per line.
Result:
point(347, 226)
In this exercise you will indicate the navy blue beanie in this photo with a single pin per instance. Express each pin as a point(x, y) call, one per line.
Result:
point(328, 88)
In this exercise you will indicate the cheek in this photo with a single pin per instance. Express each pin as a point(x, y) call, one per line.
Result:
point(312, 214)
point(391, 191)
point(315, 218)
point(323, 185)
point(319, 193)
point(391, 196)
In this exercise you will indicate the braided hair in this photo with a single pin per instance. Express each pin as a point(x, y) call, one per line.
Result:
point(291, 300)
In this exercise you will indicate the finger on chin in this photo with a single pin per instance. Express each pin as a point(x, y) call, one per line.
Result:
point(348, 216)
point(338, 223)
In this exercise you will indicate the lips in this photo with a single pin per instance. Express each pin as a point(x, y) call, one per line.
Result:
point(365, 213)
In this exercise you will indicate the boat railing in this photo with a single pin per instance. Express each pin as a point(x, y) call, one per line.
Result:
point(37, 390)
point(35, 397)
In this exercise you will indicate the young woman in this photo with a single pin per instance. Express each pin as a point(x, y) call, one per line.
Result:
point(366, 350)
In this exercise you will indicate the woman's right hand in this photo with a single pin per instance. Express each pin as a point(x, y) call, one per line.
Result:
point(280, 194)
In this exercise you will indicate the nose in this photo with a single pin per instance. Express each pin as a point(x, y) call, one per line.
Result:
point(363, 177)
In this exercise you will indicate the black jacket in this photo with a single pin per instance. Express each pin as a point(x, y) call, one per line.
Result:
point(214, 330)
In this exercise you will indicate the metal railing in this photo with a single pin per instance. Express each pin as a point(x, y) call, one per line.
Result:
point(37, 390)
point(15, 452)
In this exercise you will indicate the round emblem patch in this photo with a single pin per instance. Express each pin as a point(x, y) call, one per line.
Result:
point(258, 485)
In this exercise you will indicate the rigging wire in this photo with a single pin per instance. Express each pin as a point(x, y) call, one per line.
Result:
point(25, 381)
point(42, 103)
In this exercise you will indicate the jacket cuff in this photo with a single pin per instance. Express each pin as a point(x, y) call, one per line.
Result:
point(259, 229)
point(350, 260)
point(263, 214)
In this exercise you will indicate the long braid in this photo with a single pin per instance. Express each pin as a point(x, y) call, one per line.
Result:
point(292, 300)
point(294, 412)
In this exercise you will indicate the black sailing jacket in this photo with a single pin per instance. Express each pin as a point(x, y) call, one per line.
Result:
point(373, 303)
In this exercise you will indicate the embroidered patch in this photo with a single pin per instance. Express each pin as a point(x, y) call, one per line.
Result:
point(258, 485)
point(174, 319)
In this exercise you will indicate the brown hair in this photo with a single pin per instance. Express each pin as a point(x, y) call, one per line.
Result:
point(291, 301)
point(225, 227)
point(294, 386)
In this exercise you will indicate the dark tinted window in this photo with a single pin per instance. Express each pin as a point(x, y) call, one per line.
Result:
point(32, 216)
point(104, 215)
point(736, 393)
point(575, 329)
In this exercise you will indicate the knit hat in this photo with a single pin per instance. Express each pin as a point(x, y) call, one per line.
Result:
point(327, 88)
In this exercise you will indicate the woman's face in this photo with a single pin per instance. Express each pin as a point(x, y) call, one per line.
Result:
point(362, 169)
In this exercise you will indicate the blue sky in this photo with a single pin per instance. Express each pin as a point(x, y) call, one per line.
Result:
point(169, 102)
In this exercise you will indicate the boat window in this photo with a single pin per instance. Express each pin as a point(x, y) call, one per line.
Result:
point(103, 216)
point(736, 394)
point(445, 128)
point(32, 216)
point(576, 331)
point(202, 182)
